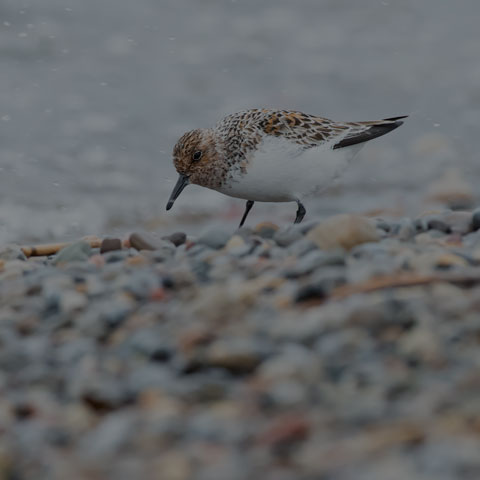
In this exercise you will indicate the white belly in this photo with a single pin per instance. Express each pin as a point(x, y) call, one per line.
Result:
point(280, 172)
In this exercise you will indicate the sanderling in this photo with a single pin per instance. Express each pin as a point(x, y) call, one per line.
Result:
point(270, 155)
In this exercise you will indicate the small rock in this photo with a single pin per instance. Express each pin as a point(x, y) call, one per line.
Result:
point(265, 229)
point(310, 292)
point(215, 238)
point(284, 237)
point(234, 243)
point(476, 220)
point(239, 355)
point(453, 190)
point(144, 241)
point(97, 260)
point(116, 256)
point(76, 252)
point(110, 244)
point(177, 238)
point(438, 224)
point(449, 260)
point(237, 246)
point(403, 229)
point(164, 251)
point(301, 247)
point(286, 429)
point(72, 301)
point(459, 222)
point(11, 252)
point(344, 231)
point(314, 260)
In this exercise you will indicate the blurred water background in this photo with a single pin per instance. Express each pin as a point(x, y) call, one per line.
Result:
point(94, 94)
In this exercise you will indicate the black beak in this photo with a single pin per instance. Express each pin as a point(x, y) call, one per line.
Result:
point(182, 182)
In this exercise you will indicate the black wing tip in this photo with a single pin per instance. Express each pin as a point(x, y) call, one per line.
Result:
point(393, 122)
point(375, 131)
point(394, 119)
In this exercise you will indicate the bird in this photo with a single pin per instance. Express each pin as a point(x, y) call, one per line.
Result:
point(270, 155)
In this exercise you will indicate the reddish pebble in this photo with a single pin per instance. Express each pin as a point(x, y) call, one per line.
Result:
point(97, 260)
point(289, 428)
point(189, 245)
point(110, 244)
point(157, 294)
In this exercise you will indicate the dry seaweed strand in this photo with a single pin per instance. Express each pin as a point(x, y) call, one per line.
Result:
point(53, 248)
point(405, 280)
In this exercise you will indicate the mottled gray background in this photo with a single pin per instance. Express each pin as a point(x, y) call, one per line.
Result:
point(94, 93)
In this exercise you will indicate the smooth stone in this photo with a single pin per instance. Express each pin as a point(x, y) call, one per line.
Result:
point(244, 232)
point(306, 226)
point(472, 240)
point(110, 244)
point(301, 247)
point(150, 342)
point(459, 222)
point(144, 241)
point(403, 229)
point(76, 252)
point(287, 394)
point(201, 270)
point(329, 277)
point(476, 220)
point(236, 355)
point(265, 229)
point(215, 238)
point(284, 237)
point(237, 246)
point(344, 230)
point(11, 252)
point(452, 189)
point(382, 224)
point(235, 242)
point(141, 283)
point(116, 256)
point(177, 238)
point(72, 301)
point(310, 292)
point(164, 252)
point(314, 260)
point(439, 224)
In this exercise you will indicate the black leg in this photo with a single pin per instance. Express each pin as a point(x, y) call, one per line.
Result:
point(248, 207)
point(300, 212)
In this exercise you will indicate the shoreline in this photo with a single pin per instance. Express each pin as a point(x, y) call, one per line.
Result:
point(329, 348)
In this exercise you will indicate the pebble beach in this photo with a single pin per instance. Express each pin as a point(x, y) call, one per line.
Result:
point(346, 348)
point(140, 343)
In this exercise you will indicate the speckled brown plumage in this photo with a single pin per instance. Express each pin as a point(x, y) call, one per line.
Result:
point(227, 149)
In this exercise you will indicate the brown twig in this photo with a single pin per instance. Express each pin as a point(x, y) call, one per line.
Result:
point(52, 248)
point(404, 280)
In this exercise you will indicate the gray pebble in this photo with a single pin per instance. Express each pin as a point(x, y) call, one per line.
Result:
point(215, 238)
point(286, 236)
point(177, 238)
point(76, 252)
point(313, 260)
point(11, 252)
point(476, 220)
point(301, 247)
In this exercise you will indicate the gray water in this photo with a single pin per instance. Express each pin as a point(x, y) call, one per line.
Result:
point(94, 94)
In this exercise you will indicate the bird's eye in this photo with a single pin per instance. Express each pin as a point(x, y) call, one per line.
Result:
point(197, 156)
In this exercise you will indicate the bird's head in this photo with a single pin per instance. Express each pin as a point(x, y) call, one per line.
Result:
point(193, 155)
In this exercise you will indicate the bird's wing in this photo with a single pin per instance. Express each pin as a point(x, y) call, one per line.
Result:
point(364, 131)
point(311, 131)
